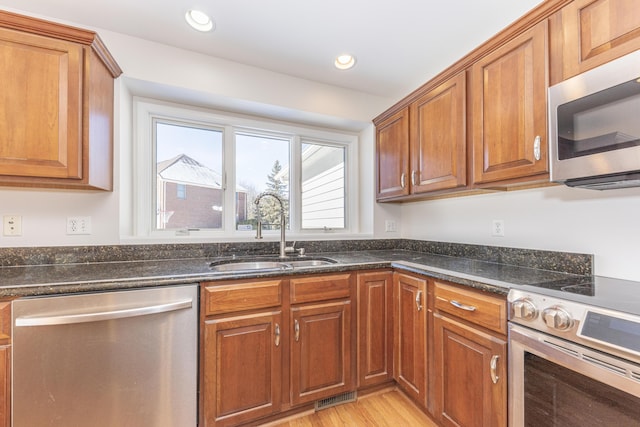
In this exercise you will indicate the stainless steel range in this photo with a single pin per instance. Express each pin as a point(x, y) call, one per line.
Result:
point(574, 356)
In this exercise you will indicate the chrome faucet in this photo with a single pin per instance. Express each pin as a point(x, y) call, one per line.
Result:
point(283, 242)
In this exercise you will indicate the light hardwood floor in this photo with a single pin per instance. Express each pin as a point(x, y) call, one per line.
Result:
point(385, 409)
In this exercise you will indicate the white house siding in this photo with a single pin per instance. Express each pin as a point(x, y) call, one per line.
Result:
point(323, 199)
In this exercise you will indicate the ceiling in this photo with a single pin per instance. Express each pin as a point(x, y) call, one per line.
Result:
point(399, 44)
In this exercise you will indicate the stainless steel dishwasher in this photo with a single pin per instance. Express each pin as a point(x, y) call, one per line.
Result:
point(125, 358)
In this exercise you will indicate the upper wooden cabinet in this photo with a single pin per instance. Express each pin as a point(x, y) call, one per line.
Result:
point(56, 106)
point(392, 156)
point(588, 33)
point(438, 138)
point(509, 92)
point(422, 148)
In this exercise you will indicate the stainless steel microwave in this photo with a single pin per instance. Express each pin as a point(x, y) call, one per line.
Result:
point(594, 126)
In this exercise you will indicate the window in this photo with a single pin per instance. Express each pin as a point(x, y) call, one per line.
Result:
point(207, 170)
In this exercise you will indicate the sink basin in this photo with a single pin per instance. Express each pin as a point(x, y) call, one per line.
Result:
point(263, 265)
point(309, 262)
point(232, 266)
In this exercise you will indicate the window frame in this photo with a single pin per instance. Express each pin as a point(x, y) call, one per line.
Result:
point(146, 111)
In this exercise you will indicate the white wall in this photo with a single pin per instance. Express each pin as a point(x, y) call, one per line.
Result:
point(152, 69)
point(603, 223)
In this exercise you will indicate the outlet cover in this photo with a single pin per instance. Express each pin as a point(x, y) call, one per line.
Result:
point(12, 225)
point(79, 225)
point(497, 228)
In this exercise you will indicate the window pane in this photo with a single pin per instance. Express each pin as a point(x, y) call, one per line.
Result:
point(323, 186)
point(262, 164)
point(189, 190)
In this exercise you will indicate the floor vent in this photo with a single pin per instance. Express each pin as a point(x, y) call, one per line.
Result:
point(349, 396)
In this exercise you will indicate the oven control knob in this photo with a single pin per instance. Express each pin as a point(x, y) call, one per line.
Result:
point(557, 318)
point(524, 309)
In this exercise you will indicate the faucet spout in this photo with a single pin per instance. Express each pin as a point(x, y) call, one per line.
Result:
point(283, 242)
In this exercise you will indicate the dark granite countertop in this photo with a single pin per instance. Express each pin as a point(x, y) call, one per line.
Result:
point(34, 280)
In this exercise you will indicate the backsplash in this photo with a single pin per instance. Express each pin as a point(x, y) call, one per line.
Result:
point(547, 260)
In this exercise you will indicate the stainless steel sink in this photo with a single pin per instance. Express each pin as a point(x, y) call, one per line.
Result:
point(241, 265)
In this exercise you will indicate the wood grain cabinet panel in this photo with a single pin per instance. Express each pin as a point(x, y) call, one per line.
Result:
point(509, 87)
point(321, 361)
point(5, 386)
point(438, 138)
point(56, 105)
point(242, 368)
point(410, 341)
point(595, 32)
point(375, 328)
point(392, 156)
point(471, 375)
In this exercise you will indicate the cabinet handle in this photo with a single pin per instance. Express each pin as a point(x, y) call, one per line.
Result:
point(413, 177)
point(419, 300)
point(494, 369)
point(462, 306)
point(296, 329)
point(403, 180)
point(277, 342)
point(536, 148)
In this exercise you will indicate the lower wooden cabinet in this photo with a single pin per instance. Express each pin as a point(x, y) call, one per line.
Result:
point(471, 375)
point(243, 378)
point(375, 328)
point(320, 351)
point(410, 341)
point(5, 386)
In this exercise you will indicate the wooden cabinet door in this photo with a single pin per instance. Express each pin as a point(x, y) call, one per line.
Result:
point(509, 92)
point(438, 138)
point(471, 375)
point(375, 342)
point(321, 363)
point(40, 106)
point(5, 386)
point(597, 31)
point(242, 368)
point(410, 342)
point(392, 156)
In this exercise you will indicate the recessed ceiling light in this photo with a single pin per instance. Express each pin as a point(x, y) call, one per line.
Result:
point(344, 62)
point(199, 20)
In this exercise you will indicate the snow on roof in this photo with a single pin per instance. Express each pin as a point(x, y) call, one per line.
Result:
point(186, 170)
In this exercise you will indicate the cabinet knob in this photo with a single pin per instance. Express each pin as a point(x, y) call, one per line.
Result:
point(413, 177)
point(403, 180)
point(277, 340)
point(296, 330)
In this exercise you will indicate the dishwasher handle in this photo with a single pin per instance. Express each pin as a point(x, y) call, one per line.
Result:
point(67, 319)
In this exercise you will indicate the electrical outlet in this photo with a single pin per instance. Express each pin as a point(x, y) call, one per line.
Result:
point(390, 226)
point(12, 225)
point(79, 225)
point(497, 228)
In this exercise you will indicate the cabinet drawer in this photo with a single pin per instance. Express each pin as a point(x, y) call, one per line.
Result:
point(307, 289)
point(483, 310)
point(241, 296)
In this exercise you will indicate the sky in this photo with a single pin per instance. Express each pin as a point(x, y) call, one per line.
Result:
point(255, 155)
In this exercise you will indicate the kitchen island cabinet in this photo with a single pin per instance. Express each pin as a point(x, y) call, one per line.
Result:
point(470, 358)
point(410, 341)
point(56, 105)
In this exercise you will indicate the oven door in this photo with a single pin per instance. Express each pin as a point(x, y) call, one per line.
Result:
point(553, 382)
